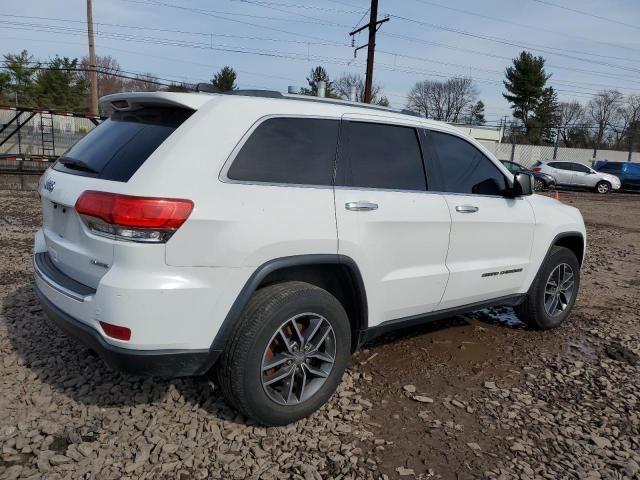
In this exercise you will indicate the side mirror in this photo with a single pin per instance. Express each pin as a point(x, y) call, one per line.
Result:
point(522, 184)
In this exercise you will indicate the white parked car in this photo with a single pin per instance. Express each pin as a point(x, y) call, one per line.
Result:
point(574, 174)
point(268, 236)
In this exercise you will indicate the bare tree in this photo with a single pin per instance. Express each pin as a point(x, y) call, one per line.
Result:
point(347, 81)
point(569, 115)
point(145, 82)
point(629, 120)
point(109, 70)
point(444, 101)
point(601, 109)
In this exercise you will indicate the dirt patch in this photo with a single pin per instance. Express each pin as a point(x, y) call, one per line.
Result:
point(474, 396)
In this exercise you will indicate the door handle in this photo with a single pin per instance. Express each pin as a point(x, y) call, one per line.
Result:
point(361, 206)
point(467, 209)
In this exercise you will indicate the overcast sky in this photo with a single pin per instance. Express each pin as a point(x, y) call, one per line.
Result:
point(188, 40)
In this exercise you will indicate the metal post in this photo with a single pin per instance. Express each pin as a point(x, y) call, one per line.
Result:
point(19, 135)
point(371, 47)
point(93, 74)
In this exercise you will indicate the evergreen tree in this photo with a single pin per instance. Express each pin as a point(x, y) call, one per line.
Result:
point(545, 119)
point(525, 83)
point(476, 113)
point(60, 86)
point(21, 69)
point(225, 79)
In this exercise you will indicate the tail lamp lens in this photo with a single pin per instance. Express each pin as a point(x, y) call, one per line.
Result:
point(116, 331)
point(139, 219)
point(536, 169)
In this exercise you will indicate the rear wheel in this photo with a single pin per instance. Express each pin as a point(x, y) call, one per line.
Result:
point(603, 187)
point(287, 354)
point(553, 292)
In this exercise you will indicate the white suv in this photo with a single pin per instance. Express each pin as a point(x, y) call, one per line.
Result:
point(574, 174)
point(268, 236)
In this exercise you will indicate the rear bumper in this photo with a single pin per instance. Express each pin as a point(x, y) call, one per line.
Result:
point(163, 363)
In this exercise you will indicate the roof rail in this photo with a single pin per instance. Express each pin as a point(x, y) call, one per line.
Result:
point(204, 87)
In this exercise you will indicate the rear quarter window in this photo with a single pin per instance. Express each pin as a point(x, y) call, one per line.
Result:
point(118, 147)
point(288, 150)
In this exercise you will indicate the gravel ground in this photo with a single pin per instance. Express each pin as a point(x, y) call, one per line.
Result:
point(477, 396)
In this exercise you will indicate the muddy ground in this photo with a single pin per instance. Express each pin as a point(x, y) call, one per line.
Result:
point(478, 396)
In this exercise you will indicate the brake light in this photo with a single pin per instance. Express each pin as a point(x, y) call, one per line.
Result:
point(536, 169)
point(139, 219)
point(116, 331)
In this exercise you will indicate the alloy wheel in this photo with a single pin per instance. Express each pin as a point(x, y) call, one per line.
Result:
point(298, 359)
point(559, 290)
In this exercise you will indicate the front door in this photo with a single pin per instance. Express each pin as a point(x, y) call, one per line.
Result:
point(582, 176)
point(396, 231)
point(491, 235)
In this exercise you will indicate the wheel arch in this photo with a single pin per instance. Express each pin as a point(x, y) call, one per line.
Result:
point(574, 241)
point(337, 274)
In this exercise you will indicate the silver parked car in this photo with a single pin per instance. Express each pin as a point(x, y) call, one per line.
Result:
point(574, 174)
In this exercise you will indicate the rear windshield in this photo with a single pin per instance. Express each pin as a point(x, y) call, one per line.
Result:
point(116, 148)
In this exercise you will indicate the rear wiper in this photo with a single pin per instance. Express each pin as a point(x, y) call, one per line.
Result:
point(76, 164)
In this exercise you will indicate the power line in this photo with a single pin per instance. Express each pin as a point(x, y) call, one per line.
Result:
point(495, 39)
point(503, 57)
point(501, 20)
point(218, 14)
point(582, 12)
point(547, 50)
point(261, 52)
point(164, 30)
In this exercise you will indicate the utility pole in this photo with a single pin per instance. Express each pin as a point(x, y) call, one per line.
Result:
point(373, 26)
point(93, 74)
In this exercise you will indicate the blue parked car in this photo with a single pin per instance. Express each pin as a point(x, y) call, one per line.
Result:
point(627, 172)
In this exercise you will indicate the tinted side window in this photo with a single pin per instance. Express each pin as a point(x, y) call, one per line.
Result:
point(633, 169)
point(459, 167)
point(373, 155)
point(116, 148)
point(580, 168)
point(288, 150)
point(565, 166)
point(611, 168)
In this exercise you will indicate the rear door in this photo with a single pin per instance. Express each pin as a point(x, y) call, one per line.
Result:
point(103, 160)
point(395, 230)
point(491, 235)
point(631, 175)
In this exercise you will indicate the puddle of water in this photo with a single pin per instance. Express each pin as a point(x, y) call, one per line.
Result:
point(499, 315)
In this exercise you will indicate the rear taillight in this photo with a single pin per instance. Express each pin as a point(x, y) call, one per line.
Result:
point(536, 169)
point(137, 219)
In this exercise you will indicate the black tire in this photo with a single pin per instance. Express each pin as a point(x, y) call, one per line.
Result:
point(539, 185)
point(603, 187)
point(240, 369)
point(532, 311)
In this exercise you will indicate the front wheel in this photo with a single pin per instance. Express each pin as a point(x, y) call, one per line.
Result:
point(287, 354)
point(603, 187)
point(539, 185)
point(553, 292)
